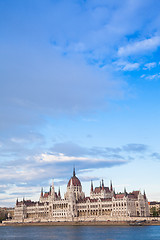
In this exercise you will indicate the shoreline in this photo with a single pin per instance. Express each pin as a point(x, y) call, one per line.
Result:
point(99, 223)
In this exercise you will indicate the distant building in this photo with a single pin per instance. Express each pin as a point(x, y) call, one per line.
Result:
point(103, 204)
point(6, 213)
point(154, 208)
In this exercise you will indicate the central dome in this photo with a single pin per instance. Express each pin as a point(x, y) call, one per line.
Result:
point(75, 181)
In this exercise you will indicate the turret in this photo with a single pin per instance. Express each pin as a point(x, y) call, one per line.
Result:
point(42, 192)
point(125, 192)
point(59, 193)
point(144, 195)
point(91, 186)
point(52, 185)
point(17, 202)
point(102, 185)
point(52, 189)
point(111, 188)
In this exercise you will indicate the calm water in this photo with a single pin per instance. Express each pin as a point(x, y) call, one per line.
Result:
point(80, 233)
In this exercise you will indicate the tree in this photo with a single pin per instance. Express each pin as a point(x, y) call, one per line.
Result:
point(3, 215)
point(154, 212)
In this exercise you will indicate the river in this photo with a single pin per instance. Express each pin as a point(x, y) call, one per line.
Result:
point(79, 233)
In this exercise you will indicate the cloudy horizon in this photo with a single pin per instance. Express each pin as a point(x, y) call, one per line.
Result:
point(80, 86)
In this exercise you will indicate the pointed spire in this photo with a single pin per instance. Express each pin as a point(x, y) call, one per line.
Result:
point(42, 192)
point(125, 192)
point(144, 194)
point(52, 192)
point(50, 189)
point(52, 184)
point(17, 202)
point(91, 186)
point(111, 187)
point(23, 200)
point(59, 193)
point(74, 172)
point(102, 184)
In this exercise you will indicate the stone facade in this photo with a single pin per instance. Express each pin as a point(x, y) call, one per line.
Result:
point(103, 204)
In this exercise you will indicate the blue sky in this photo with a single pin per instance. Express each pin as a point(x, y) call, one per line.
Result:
point(80, 85)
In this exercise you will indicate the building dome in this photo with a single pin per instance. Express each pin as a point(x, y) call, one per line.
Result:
point(75, 181)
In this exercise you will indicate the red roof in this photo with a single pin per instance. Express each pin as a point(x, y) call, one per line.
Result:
point(98, 189)
point(94, 200)
point(46, 195)
point(135, 193)
point(75, 181)
point(121, 195)
point(107, 189)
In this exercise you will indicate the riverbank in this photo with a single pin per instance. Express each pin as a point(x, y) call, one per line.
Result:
point(99, 223)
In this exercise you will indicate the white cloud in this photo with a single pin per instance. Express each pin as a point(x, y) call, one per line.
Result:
point(131, 66)
point(44, 157)
point(153, 77)
point(143, 76)
point(23, 172)
point(149, 44)
point(126, 66)
point(149, 66)
point(17, 140)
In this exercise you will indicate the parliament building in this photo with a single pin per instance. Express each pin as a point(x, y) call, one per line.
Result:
point(102, 205)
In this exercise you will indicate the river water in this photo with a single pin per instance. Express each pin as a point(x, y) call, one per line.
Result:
point(80, 233)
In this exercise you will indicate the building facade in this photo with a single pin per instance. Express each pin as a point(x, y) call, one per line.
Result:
point(154, 208)
point(103, 204)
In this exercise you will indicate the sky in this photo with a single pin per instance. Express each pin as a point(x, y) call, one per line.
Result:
point(79, 86)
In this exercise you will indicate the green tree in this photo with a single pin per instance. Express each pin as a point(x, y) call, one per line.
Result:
point(154, 212)
point(3, 215)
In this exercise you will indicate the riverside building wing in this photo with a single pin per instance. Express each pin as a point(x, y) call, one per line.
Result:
point(103, 204)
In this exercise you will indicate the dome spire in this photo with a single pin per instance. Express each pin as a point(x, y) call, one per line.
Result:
point(74, 172)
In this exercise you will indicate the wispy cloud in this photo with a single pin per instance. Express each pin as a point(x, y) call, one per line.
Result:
point(151, 76)
point(138, 47)
point(37, 169)
point(60, 158)
point(149, 66)
point(133, 147)
point(64, 63)
point(126, 66)
point(156, 155)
